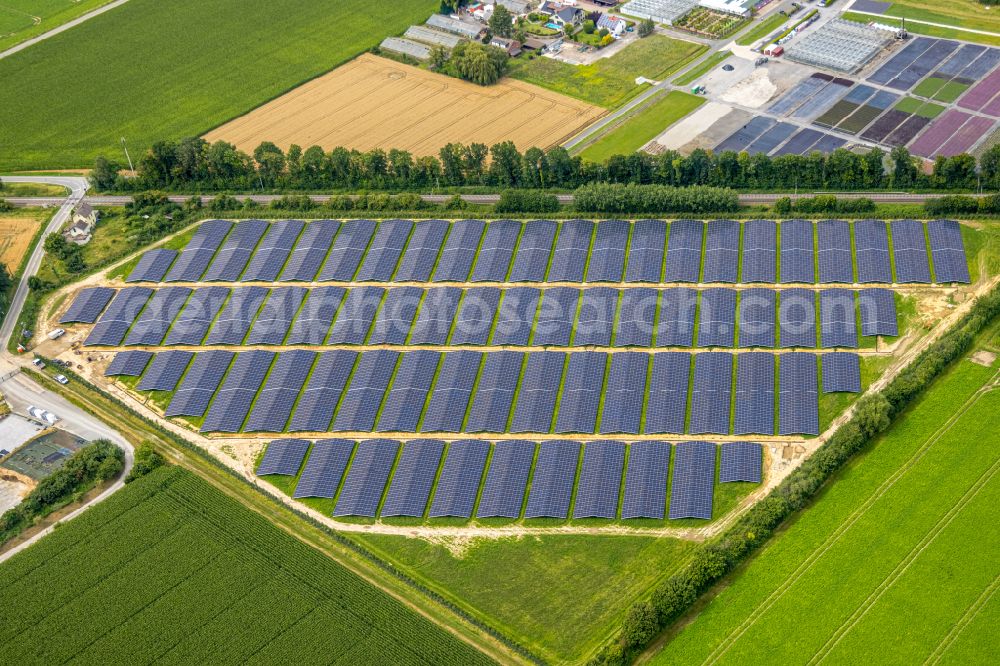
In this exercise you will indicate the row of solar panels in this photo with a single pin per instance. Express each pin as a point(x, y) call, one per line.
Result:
point(516, 316)
point(506, 391)
point(572, 251)
point(356, 475)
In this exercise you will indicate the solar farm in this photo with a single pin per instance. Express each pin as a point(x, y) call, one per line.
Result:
point(511, 370)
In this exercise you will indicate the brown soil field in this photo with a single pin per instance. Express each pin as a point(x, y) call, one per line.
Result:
point(374, 102)
point(15, 239)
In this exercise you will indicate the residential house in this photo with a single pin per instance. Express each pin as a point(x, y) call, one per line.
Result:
point(85, 213)
point(82, 228)
point(615, 25)
point(511, 46)
point(568, 16)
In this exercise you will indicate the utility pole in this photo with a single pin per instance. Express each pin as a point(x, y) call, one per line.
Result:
point(127, 157)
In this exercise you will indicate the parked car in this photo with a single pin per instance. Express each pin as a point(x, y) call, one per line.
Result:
point(38, 363)
point(62, 379)
point(56, 334)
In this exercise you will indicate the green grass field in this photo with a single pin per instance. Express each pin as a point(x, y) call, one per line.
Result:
point(940, 89)
point(913, 514)
point(610, 82)
point(561, 596)
point(928, 30)
point(762, 29)
point(959, 13)
point(172, 570)
point(643, 126)
point(23, 19)
point(74, 96)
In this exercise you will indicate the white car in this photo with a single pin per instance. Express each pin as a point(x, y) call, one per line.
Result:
point(38, 363)
point(56, 334)
point(62, 379)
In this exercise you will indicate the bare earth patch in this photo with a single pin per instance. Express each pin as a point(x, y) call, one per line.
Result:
point(374, 102)
point(983, 357)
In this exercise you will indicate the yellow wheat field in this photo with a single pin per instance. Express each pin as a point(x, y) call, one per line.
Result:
point(374, 102)
point(15, 239)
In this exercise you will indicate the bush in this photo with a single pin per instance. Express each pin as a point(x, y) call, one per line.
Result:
point(224, 202)
point(293, 202)
point(341, 202)
point(526, 201)
point(146, 460)
point(956, 204)
point(612, 198)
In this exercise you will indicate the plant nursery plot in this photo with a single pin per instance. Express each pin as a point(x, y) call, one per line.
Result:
point(374, 102)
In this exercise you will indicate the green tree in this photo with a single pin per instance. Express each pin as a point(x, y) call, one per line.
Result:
point(589, 27)
point(104, 175)
point(438, 57)
point(480, 63)
point(646, 28)
point(270, 162)
point(501, 23)
point(904, 169)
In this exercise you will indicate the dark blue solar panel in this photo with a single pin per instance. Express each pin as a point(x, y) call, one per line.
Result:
point(536, 400)
point(355, 316)
point(740, 461)
point(88, 305)
point(646, 480)
point(693, 480)
point(878, 312)
point(199, 383)
point(422, 251)
point(668, 392)
point(434, 320)
point(348, 250)
point(677, 312)
point(325, 468)
point(506, 479)
point(475, 316)
point(600, 480)
point(316, 316)
point(797, 318)
point(552, 482)
point(798, 403)
point(717, 318)
point(283, 456)
point(607, 258)
point(229, 409)
point(684, 251)
point(234, 254)
point(495, 393)
point(636, 315)
point(841, 372)
point(273, 406)
point(450, 398)
point(234, 320)
point(797, 252)
point(360, 403)
point(154, 322)
point(909, 248)
point(165, 371)
point(760, 249)
point(556, 314)
point(461, 474)
point(722, 251)
point(405, 403)
point(310, 251)
point(532, 258)
point(711, 393)
point(569, 258)
point(197, 254)
point(838, 321)
point(516, 316)
point(125, 307)
point(413, 479)
point(496, 251)
point(625, 394)
point(754, 394)
point(947, 251)
point(366, 478)
point(596, 317)
point(193, 322)
point(757, 317)
point(128, 364)
point(153, 266)
point(394, 318)
point(385, 250)
point(581, 394)
point(276, 315)
point(834, 241)
point(314, 410)
point(459, 251)
point(871, 246)
point(273, 251)
point(645, 254)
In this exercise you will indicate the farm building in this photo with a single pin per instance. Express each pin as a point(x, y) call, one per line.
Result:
point(406, 47)
point(421, 33)
point(516, 7)
point(840, 45)
point(511, 46)
point(456, 27)
point(669, 11)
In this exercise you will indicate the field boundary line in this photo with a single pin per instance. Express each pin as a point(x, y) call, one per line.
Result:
point(903, 566)
point(835, 536)
point(970, 614)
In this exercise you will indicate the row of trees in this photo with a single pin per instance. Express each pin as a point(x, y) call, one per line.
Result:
point(472, 61)
point(193, 164)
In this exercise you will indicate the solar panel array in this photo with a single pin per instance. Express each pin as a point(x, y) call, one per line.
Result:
point(232, 403)
point(841, 372)
point(871, 247)
point(273, 251)
point(552, 482)
point(722, 247)
point(232, 258)
point(128, 364)
point(684, 251)
point(797, 251)
point(798, 403)
point(645, 494)
point(754, 405)
point(200, 383)
point(413, 478)
point(88, 305)
point(165, 371)
point(646, 251)
point(600, 480)
point(152, 266)
point(878, 312)
point(692, 483)
point(121, 313)
point(760, 240)
point(947, 251)
point(506, 479)
point(909, 248)
point(711, 393)
point(324, 469)
point(366, 478)
point(740, 461)
point(283, 456)
point(838, 318)
point(834, 242)
point(199, 251)
point(607, 255)
point(460, 477)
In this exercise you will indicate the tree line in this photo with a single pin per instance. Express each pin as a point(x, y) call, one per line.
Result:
point(193, 164)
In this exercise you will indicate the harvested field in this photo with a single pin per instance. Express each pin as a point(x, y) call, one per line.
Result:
point(15, 239)
point(373, 102)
